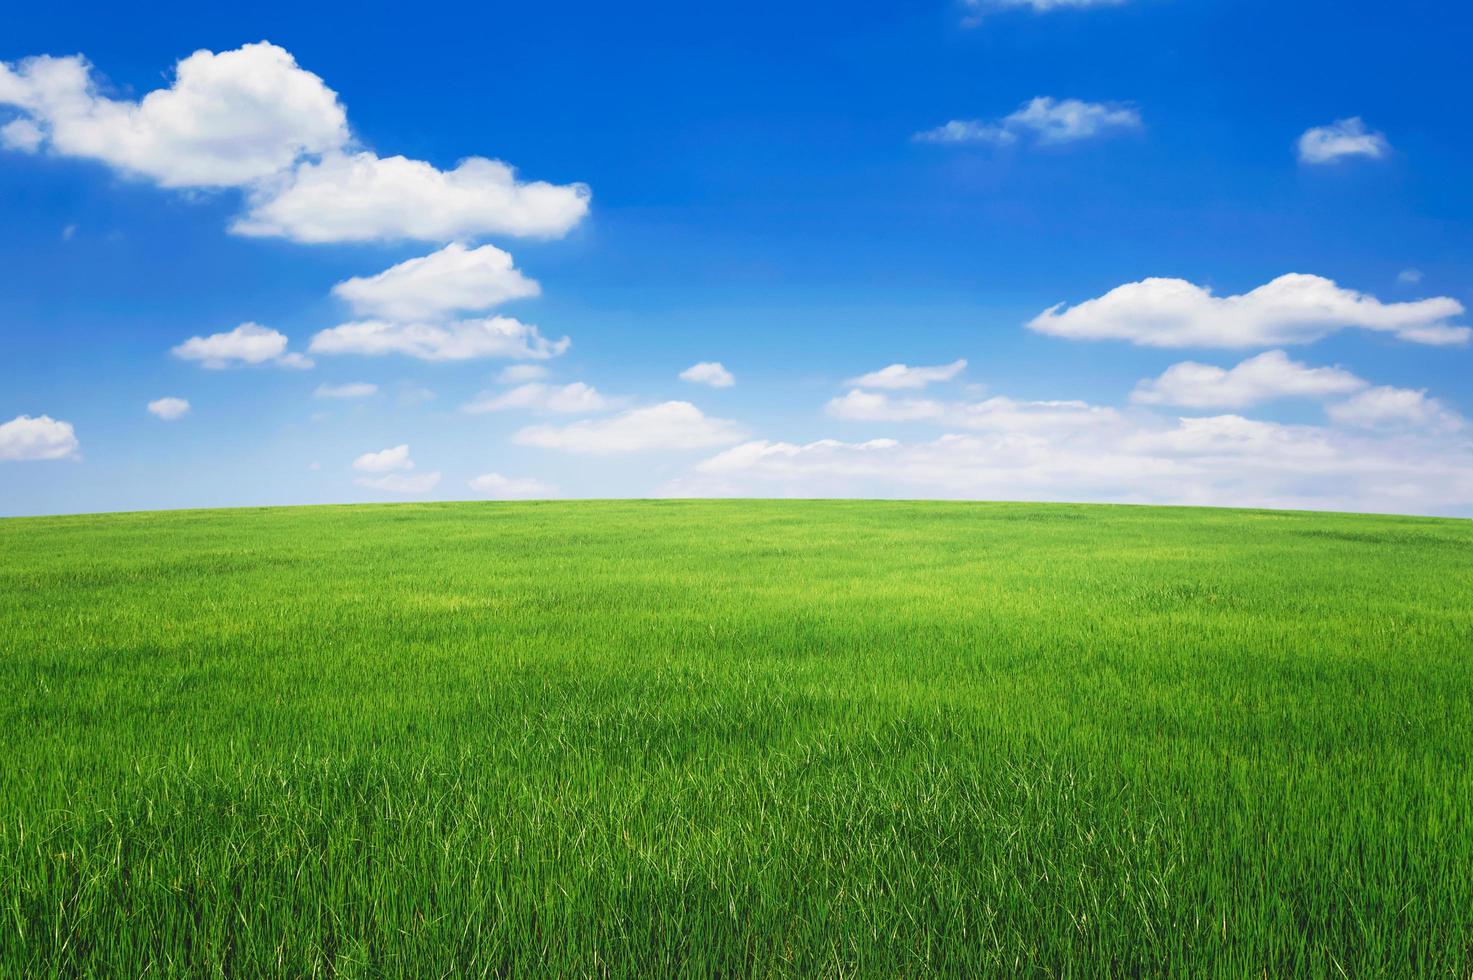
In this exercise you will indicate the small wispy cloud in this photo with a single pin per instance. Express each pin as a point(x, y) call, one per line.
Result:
point(1043, 120)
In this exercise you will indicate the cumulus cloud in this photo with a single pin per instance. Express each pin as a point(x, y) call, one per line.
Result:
point(352, 389)
point(359, 197)
point(1267, 376)
point(511, 488)
point(1388, 407)
point(1292, 309)
point(455, 279)
point(24, 438)
point(228, 119)
point(247, 345)
point(1044, 120)
point(459, 340)
point(998, 413)
point(252, 119)
point(534, 396)
point(902, 376)
point(385, 460)
point(1341, 139)
point(670, 426)
point(169, 409)
point(710, 373)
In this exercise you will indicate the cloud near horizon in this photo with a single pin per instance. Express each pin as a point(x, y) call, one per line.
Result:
point(1292, 309)
point(1268, 376)
point(673, 426)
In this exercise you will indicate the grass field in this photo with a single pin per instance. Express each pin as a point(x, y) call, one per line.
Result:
point(736, 738)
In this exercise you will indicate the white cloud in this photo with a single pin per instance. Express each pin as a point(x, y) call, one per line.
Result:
point(998, 413)
point(1222, 460)
point(511, 488)
point(352, 389)
point(1342, 138)
point(1409, 277)
point(668, 426)
point(252, 119)
point(247, 344)
point(1046, 120)
point(169, 409)
point(1388, 407)
point(710, 373)
point(1293, 309)
point(518, 373)
point(1267, 376)
point(455, 279)
point(21, 134)
point(871, 406)
point(43, 437)
point(460, 340)
point(901, 376)
point(402, 482)
point(363, 197)
point(228, 119)
point(385, 460)
point(535, 396)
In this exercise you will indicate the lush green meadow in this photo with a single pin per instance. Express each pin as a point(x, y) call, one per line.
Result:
point(736, 738)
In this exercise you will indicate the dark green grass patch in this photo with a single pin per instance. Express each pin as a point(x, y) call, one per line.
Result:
point(743, 738)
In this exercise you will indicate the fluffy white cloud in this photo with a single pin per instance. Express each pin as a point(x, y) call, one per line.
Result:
point(460, 340)
point(455, 279)
point(511, 488)
point(1222, 460)
point(1388, 407)
point(43, 437)
point(1342, 138)
point(251, 118)
point(710, 373)
point(169, 409)
point(247, 344)
point(363, 197)
point(902, 376)
point(352, 389)
point(228, 119)
point(667, 426)
point(1046, 120)
point(997, 413)
point(1268, 376)
point(1293, 309)
point(535, 396)
point(385, 460)
point(402, 482)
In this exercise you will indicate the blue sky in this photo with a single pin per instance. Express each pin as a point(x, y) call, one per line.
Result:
point(1252, 223)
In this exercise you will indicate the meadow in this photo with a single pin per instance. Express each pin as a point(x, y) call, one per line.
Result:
point(736, 738)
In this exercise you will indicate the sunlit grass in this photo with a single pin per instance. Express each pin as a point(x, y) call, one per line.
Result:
point(745, 738)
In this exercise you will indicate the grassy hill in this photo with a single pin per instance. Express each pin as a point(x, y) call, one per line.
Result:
point(806, 738)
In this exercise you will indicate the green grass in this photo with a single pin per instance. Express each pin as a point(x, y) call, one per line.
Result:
point(744, 738)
